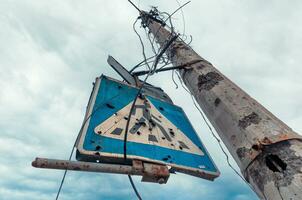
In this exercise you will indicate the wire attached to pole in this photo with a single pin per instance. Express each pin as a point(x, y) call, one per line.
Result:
point(151, 71)
point(212, 132)
point(77, 138)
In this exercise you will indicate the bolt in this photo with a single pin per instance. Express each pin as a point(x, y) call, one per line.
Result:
point(161, 181)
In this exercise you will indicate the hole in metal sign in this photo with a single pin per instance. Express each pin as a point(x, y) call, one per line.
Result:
point(110, 106)
point(98, 148)
point(172, 133)
point(161, 108)
point(138, 133)
point(165, 159)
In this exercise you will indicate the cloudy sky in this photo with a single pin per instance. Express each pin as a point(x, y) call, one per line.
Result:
point(51, 51)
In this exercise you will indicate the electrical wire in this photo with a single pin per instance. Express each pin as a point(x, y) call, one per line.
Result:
point(183, 18)
point(173, 79)
point(155, 35)
point(194, 101)
point(151, 72)
point(142, 43)
point(212, 132)
point(77, 138)
point(134, 188)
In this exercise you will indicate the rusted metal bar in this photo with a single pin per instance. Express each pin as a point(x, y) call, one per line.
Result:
point(141, 73)
point(85, 166)
point(150, 172)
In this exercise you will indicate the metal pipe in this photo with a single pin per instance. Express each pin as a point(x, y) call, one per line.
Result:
point(85, 166)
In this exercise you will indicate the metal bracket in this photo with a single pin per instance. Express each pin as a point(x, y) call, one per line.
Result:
point(122, 71)
point(150, 172)
point(260, 145)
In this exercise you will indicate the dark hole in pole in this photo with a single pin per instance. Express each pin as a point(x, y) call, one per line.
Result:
point(274, 163)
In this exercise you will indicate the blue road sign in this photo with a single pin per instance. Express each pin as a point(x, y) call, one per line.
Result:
point(159, 131)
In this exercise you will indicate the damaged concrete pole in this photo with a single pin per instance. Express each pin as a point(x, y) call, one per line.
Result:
point(268, 152)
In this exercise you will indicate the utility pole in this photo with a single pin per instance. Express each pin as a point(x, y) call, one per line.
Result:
point(268, 152)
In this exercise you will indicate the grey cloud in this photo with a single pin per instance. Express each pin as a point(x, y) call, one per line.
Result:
point(52, 51)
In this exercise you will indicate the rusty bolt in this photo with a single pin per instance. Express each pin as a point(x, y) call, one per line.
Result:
point(161, 181)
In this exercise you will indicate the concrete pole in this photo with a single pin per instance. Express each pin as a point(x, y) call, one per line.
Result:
point(268, 152)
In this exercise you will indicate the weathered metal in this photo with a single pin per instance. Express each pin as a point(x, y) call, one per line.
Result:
point(124, 73)
point(259, 142)
point(159, 131)
point(85, 166)
point(150, 172)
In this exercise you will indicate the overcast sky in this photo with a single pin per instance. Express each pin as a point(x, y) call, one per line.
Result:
point(51, 52)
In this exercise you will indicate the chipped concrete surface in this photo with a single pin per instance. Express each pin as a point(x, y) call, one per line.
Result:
point(243, 124)
point(246, 121)
point(208, 81)
point(286, 184)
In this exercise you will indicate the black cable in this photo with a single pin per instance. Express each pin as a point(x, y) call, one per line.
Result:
point(212, 132)
point(134, 188)
point(176, 85)
point(78, 136)
point(163, 51)
point(64, 175)
point(169, 18)
point(183, 19)
point(130, 113)
point(133, 105)
point(141, 41)
point(142, 62)
point(137, 8)
point(139, 91)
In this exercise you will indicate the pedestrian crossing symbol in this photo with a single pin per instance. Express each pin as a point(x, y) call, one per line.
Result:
point(159, 131)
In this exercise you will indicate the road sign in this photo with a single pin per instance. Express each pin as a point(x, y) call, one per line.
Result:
point(159, 131)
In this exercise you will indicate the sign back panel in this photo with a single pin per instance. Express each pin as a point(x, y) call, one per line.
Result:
point(159, 131)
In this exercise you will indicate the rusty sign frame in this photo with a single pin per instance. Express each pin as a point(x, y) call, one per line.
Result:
point(95, 153)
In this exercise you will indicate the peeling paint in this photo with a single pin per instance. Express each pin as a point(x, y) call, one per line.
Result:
point(246, 121)
point(175, 47)
point(242, 152)
point(209, 80)
point(261, 173)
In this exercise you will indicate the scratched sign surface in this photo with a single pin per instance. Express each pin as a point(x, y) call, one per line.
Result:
point(159, 131)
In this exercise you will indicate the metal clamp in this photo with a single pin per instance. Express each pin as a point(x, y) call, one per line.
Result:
point(150, 172)
point(260, 145)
